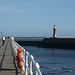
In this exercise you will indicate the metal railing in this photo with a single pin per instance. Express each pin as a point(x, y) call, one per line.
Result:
point(29, 66)
point(29, 38)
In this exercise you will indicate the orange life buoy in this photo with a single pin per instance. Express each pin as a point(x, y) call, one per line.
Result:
point(19, 58)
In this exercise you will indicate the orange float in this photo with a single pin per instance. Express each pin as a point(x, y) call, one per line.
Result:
point(19, 58)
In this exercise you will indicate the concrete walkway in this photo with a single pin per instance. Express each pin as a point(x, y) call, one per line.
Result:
point(7, 60)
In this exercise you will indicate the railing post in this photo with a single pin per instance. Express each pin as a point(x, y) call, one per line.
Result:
point(23, 65)
point(31, 65)
point(36, 73)
point(37, 65)
point(26, 63)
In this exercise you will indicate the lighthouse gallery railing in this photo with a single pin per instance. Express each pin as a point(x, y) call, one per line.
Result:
point(30, 67)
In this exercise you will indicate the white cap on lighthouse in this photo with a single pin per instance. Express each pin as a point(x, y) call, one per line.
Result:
point(55, 27)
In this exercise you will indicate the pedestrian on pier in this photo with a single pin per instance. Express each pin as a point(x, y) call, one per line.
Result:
point(3, 39)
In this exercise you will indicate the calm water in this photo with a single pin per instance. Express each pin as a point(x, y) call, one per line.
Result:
point(54, 61)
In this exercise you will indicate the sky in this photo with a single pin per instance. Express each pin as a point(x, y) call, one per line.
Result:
point(29, 18)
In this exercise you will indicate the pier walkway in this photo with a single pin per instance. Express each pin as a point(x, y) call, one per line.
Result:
point(7, 60)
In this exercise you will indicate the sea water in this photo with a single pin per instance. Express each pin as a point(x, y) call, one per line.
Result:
point(54, 61)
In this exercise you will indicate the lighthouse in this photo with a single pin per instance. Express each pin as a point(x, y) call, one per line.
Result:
point(54, 31)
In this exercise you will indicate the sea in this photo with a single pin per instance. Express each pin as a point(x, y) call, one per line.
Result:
point(54, 61)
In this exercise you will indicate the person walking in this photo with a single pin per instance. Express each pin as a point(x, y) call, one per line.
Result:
point(3, 39)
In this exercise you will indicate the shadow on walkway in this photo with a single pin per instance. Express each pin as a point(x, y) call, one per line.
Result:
point(3, 56)
point(6, 69)
point(0, 45)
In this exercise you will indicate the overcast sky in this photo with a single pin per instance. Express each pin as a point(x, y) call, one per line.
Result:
point(37, 17)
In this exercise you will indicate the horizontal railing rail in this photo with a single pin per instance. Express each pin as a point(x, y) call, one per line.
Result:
point(29, 38)
point(29, 66)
